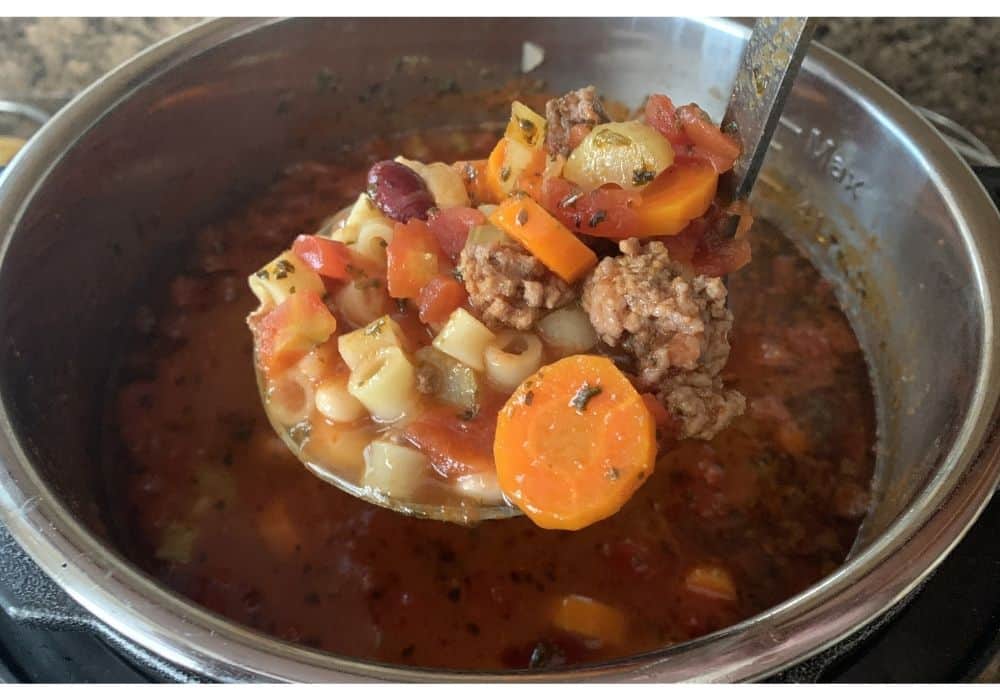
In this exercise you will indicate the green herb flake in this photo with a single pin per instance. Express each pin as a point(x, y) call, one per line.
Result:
point(505, 173)
point(372, 283)
point(356, 272)
point(522, 217)
point(583, 396)
point(282, 269)
point(642, 176)
point(597, 217)
point(457, 274)
point(375, 327)
point(469, 413)
point(612, 474)
point(527, 397)
point(263, 274)
point(527, 128)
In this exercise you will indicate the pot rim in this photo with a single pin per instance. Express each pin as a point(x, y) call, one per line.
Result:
point(140, 609)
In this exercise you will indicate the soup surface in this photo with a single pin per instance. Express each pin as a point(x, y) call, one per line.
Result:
point(219, 509)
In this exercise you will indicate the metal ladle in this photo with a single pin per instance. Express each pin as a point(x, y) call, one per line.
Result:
point(768, 68)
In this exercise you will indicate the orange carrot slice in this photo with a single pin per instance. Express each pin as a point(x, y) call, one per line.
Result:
point(526, 221)
point(711, 581)
point(591, 619)
point(573, 443)
point(682, 192)
point(494, 168)
point(474, 178)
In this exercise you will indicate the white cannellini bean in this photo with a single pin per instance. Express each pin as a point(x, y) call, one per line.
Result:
point(568, 330)
point(335, 402)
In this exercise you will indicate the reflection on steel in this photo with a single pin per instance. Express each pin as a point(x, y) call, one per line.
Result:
point(768, 69)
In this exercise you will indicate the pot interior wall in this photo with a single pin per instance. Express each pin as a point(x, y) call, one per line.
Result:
point(102, 229)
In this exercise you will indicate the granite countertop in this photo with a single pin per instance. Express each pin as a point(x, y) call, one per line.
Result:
point(949, 65)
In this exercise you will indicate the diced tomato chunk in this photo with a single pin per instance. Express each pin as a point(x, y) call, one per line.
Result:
point(439, 297)
point(607, 212)
point(292, 329)
point(328, 258)
point(456, 446)
point(722, 258)
point(719, 149)
point(414, 257)
point(451, 228)
point(474, 177)
point(662, 116)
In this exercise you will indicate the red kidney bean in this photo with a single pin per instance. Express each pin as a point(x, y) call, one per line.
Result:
point(398, 191)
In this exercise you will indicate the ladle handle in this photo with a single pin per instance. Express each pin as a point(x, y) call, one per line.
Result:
point(768, 69)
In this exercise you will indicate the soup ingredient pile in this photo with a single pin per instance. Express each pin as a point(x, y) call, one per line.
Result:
point(531, 328)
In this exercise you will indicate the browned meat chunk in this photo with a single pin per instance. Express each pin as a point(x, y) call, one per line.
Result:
point(570, 118)
point(509, 286)
point(674, 325)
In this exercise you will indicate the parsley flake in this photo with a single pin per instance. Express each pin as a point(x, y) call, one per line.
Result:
point(583, 396)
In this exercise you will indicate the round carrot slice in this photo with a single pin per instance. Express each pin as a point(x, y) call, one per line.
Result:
point(573, 443)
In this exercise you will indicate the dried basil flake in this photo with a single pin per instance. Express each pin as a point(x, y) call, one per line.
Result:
point(583, 396)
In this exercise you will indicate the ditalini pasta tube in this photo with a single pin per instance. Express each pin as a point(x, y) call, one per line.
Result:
point(386, 383)
point(393, 469)
point(358, 345)
point(282, 277)
point(443, 182)
point(374, 238)
point(512, 358)
point(465, 338)
point(363, 212)
point(290, 398)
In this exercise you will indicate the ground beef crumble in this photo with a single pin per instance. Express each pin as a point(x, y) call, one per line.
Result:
point(509, 286)
point(675, 325)
point(570, 118)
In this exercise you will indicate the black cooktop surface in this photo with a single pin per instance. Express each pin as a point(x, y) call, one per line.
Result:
point(948, 631)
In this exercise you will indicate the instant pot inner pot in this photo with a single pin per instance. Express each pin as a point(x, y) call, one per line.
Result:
point(96, 238)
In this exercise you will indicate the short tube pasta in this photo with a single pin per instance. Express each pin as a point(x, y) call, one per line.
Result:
point(373, 239)
point(482, 487)
point(362, 212)
point(385, 383)
point(443, 181)
point(465, 338)
point(290, 398)
point(394, 470)
point(335, 402)
point(361, 344)
point(360, 302)
point(282, 277)
point(512, 358)
point(338, 449)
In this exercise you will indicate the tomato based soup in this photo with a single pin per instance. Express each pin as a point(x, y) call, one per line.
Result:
point(220, 510)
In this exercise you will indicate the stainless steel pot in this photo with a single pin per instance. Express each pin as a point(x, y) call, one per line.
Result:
point(112, 188)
